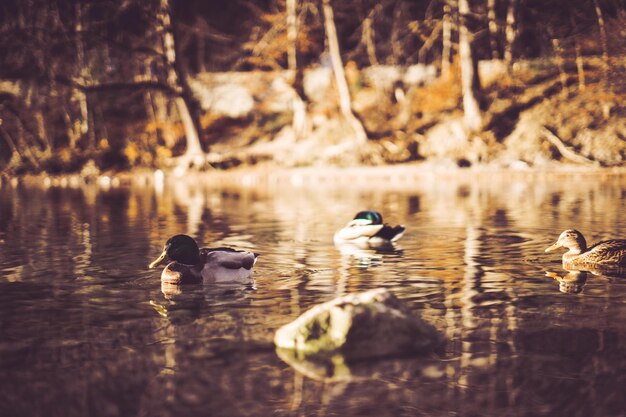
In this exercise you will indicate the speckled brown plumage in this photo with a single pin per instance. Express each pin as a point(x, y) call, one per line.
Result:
point(607, 252)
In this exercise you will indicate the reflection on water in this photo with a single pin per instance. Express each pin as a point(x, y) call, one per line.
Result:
point(87, 329)
point(569, 281)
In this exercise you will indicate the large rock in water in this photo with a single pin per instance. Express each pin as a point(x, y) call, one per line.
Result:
point(364, 325)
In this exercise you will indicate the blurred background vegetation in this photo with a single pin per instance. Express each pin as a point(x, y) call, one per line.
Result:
point(116, 85)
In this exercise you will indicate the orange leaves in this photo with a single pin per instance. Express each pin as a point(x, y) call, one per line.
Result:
point(165, 128)
point(440, 95)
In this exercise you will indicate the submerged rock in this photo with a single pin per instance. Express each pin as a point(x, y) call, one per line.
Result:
point(365, 325)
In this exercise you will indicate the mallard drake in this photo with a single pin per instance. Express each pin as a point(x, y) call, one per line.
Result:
point(192, 265)
point(368, 227)
point(605, 253)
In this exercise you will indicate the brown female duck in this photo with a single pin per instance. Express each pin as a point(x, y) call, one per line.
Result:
point(605, 253)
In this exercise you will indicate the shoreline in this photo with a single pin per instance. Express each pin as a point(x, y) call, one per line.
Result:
point(400, 175)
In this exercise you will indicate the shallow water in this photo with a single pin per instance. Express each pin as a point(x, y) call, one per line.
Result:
point(87, 330)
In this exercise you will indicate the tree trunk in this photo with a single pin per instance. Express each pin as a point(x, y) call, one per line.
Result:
point(177, 81)
point(368, 37)
point(300, 121)
point(510, 33)
point(493, 28)
point(470, 84)
point(28, 149)
point(91, 123)
point(603, 41)
point(560, 62)
point(200, 48)
point(194, 149)
point(157, 106)
point(292, 34)
point(446, 46)
point(83, 77)
point(345, 102)
point(396, 50)
point(40, 122)
point(580, 67)
point(161, 112)
point(73, 134)
point(81, 97)
point(428, 43)
point(9, 140)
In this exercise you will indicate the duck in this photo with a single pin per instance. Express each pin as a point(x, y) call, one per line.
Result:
point(605, 253)
point(192, 265)
point(367, 227)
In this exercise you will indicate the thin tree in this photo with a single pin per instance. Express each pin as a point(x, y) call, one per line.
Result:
point(292, 35)
point(603, 41)
point(368, 36)
point(446, 46)
point(493, 28)
point(300, 122)
point(194, 153)
point(83, 76)
point(470, 83)
point(580, 65)
point(345, 102)
point(510, 32)
point(560, 62)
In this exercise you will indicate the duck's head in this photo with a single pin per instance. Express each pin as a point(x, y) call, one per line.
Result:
point(180, 248)
point(363, 226)
point(571, 239)
point(369, 216)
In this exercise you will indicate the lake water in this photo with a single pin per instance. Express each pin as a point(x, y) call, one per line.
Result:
point(87, 330)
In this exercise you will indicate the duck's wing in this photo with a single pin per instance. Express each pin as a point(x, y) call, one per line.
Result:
point(354, 232)
point(609, 251)
point(229, 258)
point(390, 233)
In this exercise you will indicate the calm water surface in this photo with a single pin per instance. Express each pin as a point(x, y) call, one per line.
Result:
point(87, 330)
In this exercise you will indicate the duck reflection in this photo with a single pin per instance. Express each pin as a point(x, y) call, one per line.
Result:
point(216, 293)
point(572, 282)
point(180, 304)
point(367, 253)
point(184, 335)
point(605, 271)
point(185, 303)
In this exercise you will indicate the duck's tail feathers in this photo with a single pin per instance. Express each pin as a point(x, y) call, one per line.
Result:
point(391, 233)
point(231, 258)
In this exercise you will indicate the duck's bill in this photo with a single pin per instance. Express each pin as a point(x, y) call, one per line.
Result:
point(553, 247)
point(158, 261)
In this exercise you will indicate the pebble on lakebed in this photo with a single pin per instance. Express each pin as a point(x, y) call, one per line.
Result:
point(365, 325)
